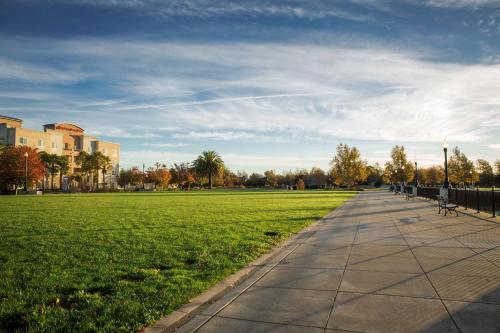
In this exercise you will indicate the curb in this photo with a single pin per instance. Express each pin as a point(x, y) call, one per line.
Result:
point(196, 305)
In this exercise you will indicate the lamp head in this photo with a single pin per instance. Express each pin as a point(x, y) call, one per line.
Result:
point(445, 144)
point(26, 154)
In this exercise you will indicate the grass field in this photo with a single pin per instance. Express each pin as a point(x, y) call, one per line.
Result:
point(117, 262)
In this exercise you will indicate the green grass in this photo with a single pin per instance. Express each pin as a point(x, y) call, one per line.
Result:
point(118, 262)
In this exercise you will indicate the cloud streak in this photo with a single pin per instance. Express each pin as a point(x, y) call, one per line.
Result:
point(264, 92)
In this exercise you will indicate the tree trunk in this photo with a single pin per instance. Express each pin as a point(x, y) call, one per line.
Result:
point(51, 181)
point(210, 181)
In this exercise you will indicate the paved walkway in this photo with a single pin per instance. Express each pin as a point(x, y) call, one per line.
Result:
point(379, 264)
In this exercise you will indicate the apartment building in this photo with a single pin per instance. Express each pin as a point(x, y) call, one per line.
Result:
point(61, 139)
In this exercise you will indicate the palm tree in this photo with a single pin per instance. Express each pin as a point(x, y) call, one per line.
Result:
point(209, 164)
point(105, 165)
point(63, 165)
point(51, 162)
point(85, 162)
point(95, 162)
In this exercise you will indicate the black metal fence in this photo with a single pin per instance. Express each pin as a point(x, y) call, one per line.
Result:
point(472, 199)
point(428, 192)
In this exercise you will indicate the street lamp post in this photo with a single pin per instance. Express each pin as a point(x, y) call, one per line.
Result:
point(26, 171)
point(446, 183)
point(403, 179)
point(143, 176)
point(415, 181)
point(470, 173)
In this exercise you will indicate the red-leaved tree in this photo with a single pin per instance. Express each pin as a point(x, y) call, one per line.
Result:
point(13, 167)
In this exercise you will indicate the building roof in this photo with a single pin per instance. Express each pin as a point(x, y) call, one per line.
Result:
point(11, 118)
point(55, 125)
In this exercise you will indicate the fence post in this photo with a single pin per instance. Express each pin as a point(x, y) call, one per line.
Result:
point(477, 198)
point(465, 193)
point(493, 200)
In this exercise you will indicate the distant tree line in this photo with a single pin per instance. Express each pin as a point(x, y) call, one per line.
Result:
point(208, 170)
point(42, 168)
point(461, 170)
point(347, 170)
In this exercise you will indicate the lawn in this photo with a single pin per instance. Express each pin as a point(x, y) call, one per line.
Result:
point(118, 262)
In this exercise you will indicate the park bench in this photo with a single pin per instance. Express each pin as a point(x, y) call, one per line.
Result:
point(409, 195)
point(443, 204)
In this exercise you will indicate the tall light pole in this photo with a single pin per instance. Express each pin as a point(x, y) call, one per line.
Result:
point(446, 183)
point(403, 179)
point(415, 180)
point(143, 176)
point(25, 171)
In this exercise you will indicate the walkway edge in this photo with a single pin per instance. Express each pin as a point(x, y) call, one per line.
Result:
point(196, 305)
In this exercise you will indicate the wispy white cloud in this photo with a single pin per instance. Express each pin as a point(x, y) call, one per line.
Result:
point(166, 145)
point(495, 146)
point(370, 92)
point(275, 92)
point(216, 135)
point(18, 71)
point(226, 8)
point(118, 132)
point(461, 3)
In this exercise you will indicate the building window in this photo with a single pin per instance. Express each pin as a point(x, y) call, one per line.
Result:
point(66, 146)
point(23, 140)
point(40, 143)
point(70, 159)
point(54, 144)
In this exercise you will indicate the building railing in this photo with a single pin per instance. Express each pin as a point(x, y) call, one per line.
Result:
point(487, 201)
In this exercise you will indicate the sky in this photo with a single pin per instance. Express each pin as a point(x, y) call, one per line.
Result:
point(266, 84)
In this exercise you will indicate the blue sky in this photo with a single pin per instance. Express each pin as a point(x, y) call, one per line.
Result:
point(267, 84)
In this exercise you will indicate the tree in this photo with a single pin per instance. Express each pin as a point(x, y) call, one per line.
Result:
point(486, 174)
point(256, 180)
point(271, 178)
point(209, 164)
point(159, 175)
point(374, 175)
point(316, 178)
point(51, 162)
point(132, 176)
point(347, 166)
point(242, 176)
point(182, 175)
point(13, 167)
point(230, 179)
point(84, 160)
point(497, 171)
point(99, 161)
point(63, 166)
point(398, 169)
point(433, 175)
point(301, 185)
point(460, 168)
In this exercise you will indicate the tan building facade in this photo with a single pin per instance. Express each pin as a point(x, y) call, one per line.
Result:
point(61, 139)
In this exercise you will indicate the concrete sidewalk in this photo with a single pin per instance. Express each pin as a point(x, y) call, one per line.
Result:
point(382, 264)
